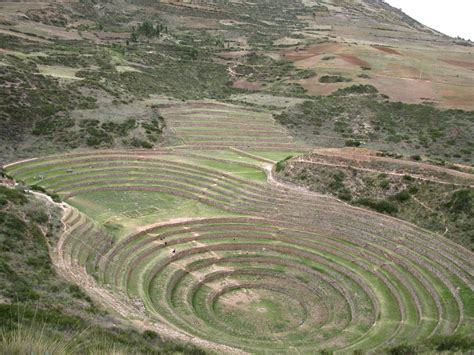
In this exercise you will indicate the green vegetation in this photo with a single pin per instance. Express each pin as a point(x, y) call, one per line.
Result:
point(356, 89)
point(442, 204)
point(381, 206)
point(395, 127)
point(170, 226)
point(41, 313)
point(218, 221)
point(439, 344)
point(333, 79)
point(147, 29)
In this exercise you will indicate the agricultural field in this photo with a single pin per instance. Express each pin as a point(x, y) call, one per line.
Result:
point(269, 177)
point(215, 243)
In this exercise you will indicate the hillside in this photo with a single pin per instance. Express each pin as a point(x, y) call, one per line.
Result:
point(228, 176)
point(85, 75)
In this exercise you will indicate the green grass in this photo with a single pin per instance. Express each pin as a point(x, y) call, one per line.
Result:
point(196, 287)
point(108, 207)
point(393, 127)
point(237, 170)
point(42, 313)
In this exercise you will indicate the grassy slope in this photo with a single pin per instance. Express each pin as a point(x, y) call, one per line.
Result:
point(64, 114)
point(39, 312)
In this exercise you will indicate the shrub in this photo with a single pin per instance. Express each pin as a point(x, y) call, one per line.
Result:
point(281, 164)
point(13, 195)
point(150, 335)
point(402, 196)
point(413, 190)
point(356, 89)
point(328, 57)
point(381, 206)
point(345, 194)
point(384, 184)
point(305, 74)
point(333, 79)
point(37, 188)
point(352, 143)
point(462, 201)
point(403, 349)
point(453, 343)
point(54, 196)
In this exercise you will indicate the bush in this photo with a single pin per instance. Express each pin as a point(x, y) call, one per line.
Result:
point(281, 164)
point(384, 184)
point(345, 194)
point(401, 196)
point(333, 79)
point(352, 143)
point(403, 350)
point(381, 206)
point(150, 335)
point(413, 190)
point(453, 343)
point(329, 57)
point(15, 196)
point(37, 188)
point(462, 201)
point(356, 89)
